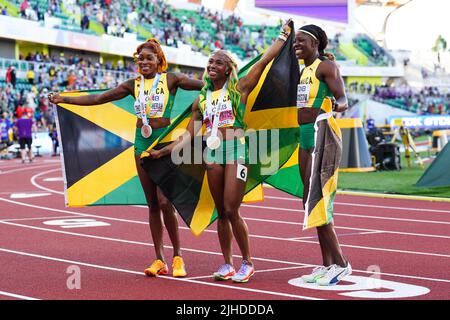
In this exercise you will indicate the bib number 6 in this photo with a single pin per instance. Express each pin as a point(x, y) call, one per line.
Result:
point(241, 172)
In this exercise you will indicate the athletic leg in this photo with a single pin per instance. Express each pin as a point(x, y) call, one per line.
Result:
point(333, 254)
point(170, 221)
point(30, 152)
point(215, 174)
point(233, 193)
point(155, 221)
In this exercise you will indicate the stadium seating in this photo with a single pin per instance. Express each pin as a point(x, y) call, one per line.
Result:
point(363, 50)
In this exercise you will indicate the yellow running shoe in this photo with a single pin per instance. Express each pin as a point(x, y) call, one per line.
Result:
point(179, 269)
point(158, 267)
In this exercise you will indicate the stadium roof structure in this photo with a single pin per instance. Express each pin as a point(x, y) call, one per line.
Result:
point(387, 3)
point(327, 10)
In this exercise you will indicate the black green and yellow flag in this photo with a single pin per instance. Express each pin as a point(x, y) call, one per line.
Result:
point(271, 119)
point(98, 153)
point(324, 169)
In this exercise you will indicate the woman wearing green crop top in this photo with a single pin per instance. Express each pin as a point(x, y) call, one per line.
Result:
point(320, 82)
point(156, 89)
point(220, 107)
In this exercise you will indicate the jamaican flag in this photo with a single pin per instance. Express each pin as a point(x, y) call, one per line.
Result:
point(288, 178)
point(98, 153)
point(324, 169)
point(272, 135)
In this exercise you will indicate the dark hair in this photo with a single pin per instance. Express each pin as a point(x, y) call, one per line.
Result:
point(154, 45)
point(321, 37)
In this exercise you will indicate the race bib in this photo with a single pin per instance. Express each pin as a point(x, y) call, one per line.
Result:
point(226, 116)
point(156, 105)
point(302, 95)
point(241, 173)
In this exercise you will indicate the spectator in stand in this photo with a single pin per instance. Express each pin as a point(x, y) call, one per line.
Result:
point(8, 75)
point(5, 126)
point(158, 12)
point(30, 76)
point(24, 130)
point(21, 110)
point(54, 136)
point(12, 76)
point(23, 7)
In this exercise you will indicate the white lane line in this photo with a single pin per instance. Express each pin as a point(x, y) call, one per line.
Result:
point(31, 219)
point(136, 242)
point(24, 191)
point(23, 195)
point(26, 168)
point(257, 271)
point(33, 181)
point(213, 231)
point(18, 296)
point(349, 215)
point(279, 198)
point(349, 228)
point(71, 212)
point(210, 252)
point(262, 220)
point(339, 235)
point(365, 205)
point(384, 249)
point(54, 179)
point(273, 293)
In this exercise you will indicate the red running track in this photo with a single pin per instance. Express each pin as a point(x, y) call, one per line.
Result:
point(399, 249)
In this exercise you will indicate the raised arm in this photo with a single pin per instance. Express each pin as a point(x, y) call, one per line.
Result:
point(192, 129)
point(248, 83)
point(180, 80)
point(124, 89)
point(328, 71)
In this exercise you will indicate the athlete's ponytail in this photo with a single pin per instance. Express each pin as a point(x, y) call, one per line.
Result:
point(318, 34)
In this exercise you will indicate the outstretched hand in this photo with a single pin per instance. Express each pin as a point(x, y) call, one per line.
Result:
point(286, 26)
point(55, 98)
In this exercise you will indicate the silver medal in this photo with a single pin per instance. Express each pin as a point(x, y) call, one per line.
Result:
point(213, 142)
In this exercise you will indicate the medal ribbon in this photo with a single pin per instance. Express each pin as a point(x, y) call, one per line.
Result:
point(141, 98)
point(215, 125)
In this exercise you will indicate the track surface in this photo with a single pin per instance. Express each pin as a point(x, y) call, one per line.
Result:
point(399, 249)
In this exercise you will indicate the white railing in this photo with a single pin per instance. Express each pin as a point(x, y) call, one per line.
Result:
point(22, 66)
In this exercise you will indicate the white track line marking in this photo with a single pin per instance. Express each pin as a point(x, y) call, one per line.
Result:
point(213, 231)
point(18, 296)
point(349, 228)
point(54, 179)
point(340, 235)
point(165, 278)
point(349, 215)
point(363, 205)
point(31, 219)
point(265, 220)
point(33, 181)
point(257, 271)
point(26, 168)
point(136, 242)
point(210, 252)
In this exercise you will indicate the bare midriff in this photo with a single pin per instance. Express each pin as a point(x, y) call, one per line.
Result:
point(155, 123)
point(307, 115)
